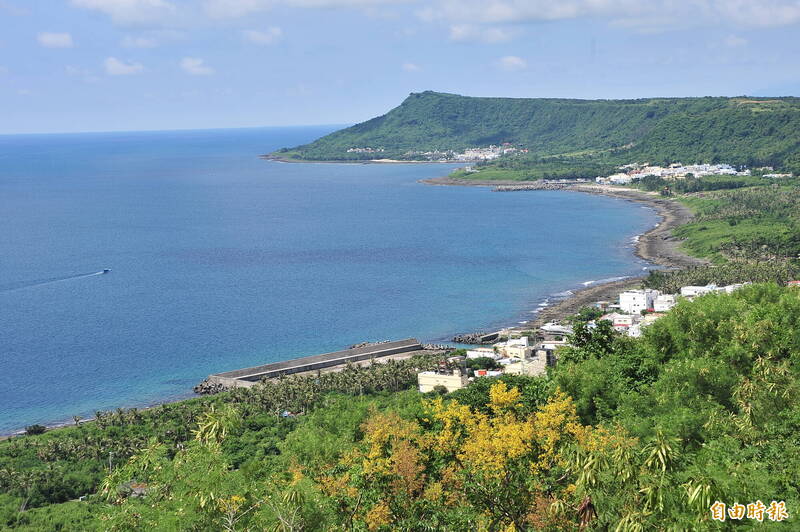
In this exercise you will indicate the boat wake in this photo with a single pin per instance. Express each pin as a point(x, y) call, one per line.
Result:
point(22, 285)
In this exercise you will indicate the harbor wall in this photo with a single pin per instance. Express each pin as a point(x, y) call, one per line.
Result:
point(247, 377)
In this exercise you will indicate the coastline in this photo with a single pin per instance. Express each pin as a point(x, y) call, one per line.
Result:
point(656, 245)
point(277, 159)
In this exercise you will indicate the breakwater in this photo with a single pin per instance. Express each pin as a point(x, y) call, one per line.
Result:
point(536, 185)
point(476, 338)
point(250, 376)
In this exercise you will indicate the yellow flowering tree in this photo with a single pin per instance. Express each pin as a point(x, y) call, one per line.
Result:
point(502, 467)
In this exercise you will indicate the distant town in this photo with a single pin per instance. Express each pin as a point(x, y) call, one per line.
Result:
point(627, 173)
point(635, 172)
point(469, 155)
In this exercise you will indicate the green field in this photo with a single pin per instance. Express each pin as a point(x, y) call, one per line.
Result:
point(751, 223)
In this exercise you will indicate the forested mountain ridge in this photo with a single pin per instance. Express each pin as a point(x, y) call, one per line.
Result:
point(707, 129)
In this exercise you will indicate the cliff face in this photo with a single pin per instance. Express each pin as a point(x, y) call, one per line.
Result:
point(738, 130)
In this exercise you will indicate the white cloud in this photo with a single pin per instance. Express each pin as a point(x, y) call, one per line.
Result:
point(762, 13)
point(196, 66)
point(130, 11)
point(627, 13)
point(24, 92)
point(411, 67)
point(272, 35)
point(488, 21)
point(115, 67)
point(734, 41)
point(512, 63)
point(470, 32)
point(54, 40)
point(3, 70)
point(81, 73)
point(13, 10)
point(240, 8)
point(234, 8)
point(139, 42)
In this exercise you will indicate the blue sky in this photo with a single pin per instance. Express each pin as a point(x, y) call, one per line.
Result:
point(103, 65)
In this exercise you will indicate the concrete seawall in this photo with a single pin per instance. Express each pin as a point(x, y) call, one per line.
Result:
point(250, 376)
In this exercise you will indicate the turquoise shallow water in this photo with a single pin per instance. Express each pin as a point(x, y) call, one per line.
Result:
point(221, 260)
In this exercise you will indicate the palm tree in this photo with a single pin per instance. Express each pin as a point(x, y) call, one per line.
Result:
point(216, 423)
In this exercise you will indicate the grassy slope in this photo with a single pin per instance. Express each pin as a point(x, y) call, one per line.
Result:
point(756, 223)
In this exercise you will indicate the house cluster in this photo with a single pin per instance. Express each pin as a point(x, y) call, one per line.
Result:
point(469, 155)
point(635, 172)
point(365, 150)
point(531, 352)
point(518, 355)
point(486, 154)
point(639, 308)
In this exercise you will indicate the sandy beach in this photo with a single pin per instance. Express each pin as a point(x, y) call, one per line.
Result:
point(279, 159)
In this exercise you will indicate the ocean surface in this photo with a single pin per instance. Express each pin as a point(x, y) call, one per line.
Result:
point(220, 260)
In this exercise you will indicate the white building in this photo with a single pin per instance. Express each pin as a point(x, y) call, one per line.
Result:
point(514, 348)
point(732, 287)
point(664, 302)
point(620, 321)
point(482, 352)
point(614, 179)
point(532, 367)
point(694, 291)
point(635, 301)
point(554, 328)
point(635, 330)
point(428, 380)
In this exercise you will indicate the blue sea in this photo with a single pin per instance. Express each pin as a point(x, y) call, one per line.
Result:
point(221, 260)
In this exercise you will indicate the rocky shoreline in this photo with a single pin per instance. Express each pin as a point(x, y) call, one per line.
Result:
point(657, 246)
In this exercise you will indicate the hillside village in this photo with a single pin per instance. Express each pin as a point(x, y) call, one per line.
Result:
point(532, 352)
point(476, 154)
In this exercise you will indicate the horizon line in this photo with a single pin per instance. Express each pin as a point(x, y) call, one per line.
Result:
point(168, 130)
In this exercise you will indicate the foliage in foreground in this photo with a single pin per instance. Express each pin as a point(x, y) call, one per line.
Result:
point(625, 434)
point(39, 471)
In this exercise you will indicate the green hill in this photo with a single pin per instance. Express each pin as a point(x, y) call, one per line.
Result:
point(709, 129)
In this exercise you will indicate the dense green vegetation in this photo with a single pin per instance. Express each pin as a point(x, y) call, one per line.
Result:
point(624, 434)
point(37, 471)
point(671, 281)
point(522, 168)
point(748, 226)
point(690, 185)
point(576, 138)
point(755, 223)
